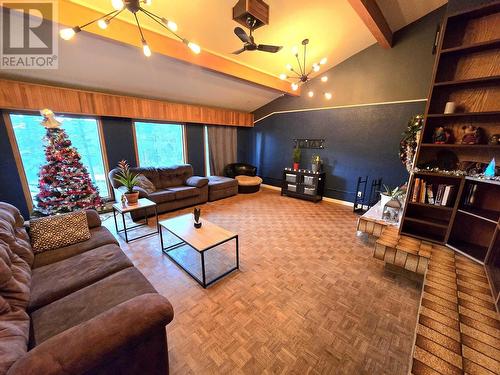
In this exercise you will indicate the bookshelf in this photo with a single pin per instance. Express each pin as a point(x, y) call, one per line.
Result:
point(467, 72)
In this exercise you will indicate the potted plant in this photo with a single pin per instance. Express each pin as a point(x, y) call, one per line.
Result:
point(296, 157)
point(128, 180)
point(389, 194)
point(316, 163)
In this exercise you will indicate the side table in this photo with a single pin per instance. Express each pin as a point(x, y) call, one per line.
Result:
point(142, 204)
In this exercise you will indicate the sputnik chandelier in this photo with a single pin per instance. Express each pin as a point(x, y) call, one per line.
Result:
point(133, 6)
point(300, 75)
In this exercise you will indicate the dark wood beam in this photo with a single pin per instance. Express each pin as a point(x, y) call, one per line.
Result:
point(372, 16)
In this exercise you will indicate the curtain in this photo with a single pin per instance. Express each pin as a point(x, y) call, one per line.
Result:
point(222, 143)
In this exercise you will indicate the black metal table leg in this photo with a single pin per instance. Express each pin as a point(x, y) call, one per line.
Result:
point(203, 269)
point(237, 253)
point(116, 223)
point(124, 227)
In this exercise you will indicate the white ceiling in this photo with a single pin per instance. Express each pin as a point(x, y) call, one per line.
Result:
point(333, 28)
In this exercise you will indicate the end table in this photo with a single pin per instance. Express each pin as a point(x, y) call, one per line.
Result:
point(142, 204)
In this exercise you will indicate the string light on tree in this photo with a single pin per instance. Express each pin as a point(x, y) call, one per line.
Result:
point(299, 76)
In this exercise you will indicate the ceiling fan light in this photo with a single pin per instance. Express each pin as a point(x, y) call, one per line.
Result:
point(146, 49)
point(328, 95)
point(295, 86)
point(117, 4)
point(316, 67)
point(172, 26)
point(148, 2)
point(324, 79)
point(310, 94)
point(283, 76)
point(289, 67)
point(323, 61)
point(103, 24)
point(295, 50)
point(194, 47)
point(68, 33)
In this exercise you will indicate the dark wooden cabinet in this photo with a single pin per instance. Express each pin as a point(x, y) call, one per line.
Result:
point(303, 184)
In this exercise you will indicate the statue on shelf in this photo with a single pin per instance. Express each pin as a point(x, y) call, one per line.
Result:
point(472, 135)
point(441, 135)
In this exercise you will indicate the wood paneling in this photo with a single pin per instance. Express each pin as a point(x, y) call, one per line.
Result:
point(29, 96)
point(372, 16)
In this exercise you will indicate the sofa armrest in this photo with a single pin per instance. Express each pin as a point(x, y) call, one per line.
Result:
point(92, 343)
point(197, 181)
point(93, 219)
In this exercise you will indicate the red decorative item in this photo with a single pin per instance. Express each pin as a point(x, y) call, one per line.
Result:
point(295, 166)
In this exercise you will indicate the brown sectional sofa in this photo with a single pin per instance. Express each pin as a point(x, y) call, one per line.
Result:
point(176, 187)
point(80, 309)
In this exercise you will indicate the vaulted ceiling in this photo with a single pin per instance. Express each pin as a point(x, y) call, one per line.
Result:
point(333, 27)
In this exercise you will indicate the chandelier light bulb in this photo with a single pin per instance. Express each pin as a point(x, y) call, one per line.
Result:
point(324, 79)
point(316, 67)
point(148, 2)
point(283, 76)
point(146, 49)
point(289, 66)
point(194, 47)
point(295, 86)
point(117, 4)
point(295, 50)
point(171, 25)
point(67, 34)
point(310, 94)
point(323, 61)
point(328, 95)
point(103, 24)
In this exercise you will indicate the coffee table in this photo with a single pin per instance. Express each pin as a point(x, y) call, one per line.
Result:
point(202, 239)
point(142, 204)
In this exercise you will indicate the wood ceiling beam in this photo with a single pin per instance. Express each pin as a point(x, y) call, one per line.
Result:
point(71, 14)
point(372, 16)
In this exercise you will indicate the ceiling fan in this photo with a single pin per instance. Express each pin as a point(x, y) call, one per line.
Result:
point(249, 43)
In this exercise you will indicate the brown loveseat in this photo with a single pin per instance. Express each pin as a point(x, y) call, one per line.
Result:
point(176, 187)
point(80, 309)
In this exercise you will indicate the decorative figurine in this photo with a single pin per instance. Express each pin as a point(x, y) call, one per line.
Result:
point(472, 135)
point(490, 169)
point(124, 200)
point(494, 139)
point(441, 135)
point(197, 222)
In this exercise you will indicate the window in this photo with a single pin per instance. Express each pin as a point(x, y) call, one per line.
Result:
point(158, 144)
point(84, 135)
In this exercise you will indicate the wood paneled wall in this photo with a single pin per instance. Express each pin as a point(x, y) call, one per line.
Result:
point(29, 96)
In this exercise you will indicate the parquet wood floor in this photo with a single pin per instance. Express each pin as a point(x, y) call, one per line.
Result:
point(309, 297)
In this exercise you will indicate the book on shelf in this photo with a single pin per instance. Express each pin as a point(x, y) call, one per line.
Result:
point(423, 192)
point(430, 194)
point(416, 190)
point(470, 195)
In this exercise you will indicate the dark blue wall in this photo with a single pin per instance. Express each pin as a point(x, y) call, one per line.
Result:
point(119, 140)
point(360, 141)
point(11, 190)
point(195, 148)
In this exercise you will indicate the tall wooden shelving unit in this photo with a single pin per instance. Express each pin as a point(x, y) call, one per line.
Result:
point(467, 72)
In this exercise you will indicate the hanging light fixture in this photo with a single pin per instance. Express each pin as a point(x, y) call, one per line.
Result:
point(301, 75)
point(133, 6)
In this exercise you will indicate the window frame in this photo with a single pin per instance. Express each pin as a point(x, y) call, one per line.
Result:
point(19, 162)
point(184, 140)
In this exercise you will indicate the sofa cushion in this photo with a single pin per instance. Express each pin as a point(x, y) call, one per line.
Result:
point(14, 333)
point(57, 231)
point(98, 237)
point(162, 196)
point(182, 192)
point(248, 180)
point(87, 303)
point(12, 231)
point(15, 278)
point(57, 280)
point(144, 183)
point(221, 183)
point(197, 181)
point(175, 175)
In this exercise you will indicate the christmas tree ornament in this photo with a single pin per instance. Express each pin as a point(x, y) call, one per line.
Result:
point(49, 119)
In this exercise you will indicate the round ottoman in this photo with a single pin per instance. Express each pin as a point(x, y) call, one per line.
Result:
point(248, 184)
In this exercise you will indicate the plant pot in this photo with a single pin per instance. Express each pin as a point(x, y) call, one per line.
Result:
point(132, 198)
point(295, 166)
point(384, 199)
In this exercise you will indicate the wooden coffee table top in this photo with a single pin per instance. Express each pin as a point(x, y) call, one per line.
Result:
point(141, 204)
point(200, 239)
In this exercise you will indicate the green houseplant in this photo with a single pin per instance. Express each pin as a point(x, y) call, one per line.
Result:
point(128, 180)
point(398, 193)
point(296, 157)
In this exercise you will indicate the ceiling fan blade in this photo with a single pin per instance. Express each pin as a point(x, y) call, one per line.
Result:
point(268, 48)
point(240, 33)
point(239, 51)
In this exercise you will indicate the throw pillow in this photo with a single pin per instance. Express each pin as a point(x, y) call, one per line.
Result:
point(57, 231)
point(144, 183)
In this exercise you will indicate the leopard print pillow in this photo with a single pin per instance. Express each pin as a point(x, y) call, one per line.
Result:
point(57, 231)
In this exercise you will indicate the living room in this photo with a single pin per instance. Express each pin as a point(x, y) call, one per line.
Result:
point(254, 186)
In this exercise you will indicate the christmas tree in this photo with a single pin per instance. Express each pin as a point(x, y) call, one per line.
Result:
point(64, 182)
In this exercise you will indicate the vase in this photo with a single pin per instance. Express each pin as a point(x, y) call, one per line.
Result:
point(132, 198)
point(315, 167)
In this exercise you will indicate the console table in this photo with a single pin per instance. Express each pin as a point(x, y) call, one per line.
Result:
point(303, 184)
